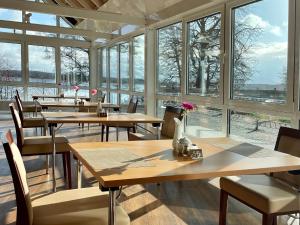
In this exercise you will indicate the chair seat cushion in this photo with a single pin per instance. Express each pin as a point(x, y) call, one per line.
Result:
point(262, 192)
point(33, 122)
point(43, 145)
point(86, 206)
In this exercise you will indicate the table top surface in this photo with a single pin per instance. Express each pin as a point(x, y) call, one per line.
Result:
point(72, 104)
point(58, 96)
point(86, 117)
point(222, 157)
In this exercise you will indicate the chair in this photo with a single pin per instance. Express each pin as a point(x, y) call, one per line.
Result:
point(41, 145)
point(29, 122)
point(132, 105)
point(273, 195)
point(77, 207)
point(167, 129)
point(30, 108)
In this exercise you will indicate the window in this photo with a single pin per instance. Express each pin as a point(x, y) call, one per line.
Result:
point(204, 122)
point(256, 128)
point(204, 56)
point(113, 98)
point(124, 100)
point(138, 64)
point(42, 67)
point(124, 66)
point(10, 62)
point(40, 91)
point(259, 51)
point(75, 66)
point(8, 93)
point(169, 59)
point(162, 104)
point(113, 67)
point(44, 19)
point(10, 15)
point(103, 68)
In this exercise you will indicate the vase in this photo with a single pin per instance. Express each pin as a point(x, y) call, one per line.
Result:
point(178, 134)
point(76, 97)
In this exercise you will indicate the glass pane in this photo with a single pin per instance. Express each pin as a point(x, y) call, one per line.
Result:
point(204, 122)
point(10, 15)
point(138, 64)
point(169, 59)
point(75, 66)
point(10, 62)
point(113, 67)
point(44, 19)
point(204, 56)
point(41, 63)
point(141, 105)
point(68, 91)
point(41, 91)
point(103, 68)
point(113, 98)
point(256, 128)
point(259, 47)
point(124, 102)
point(124, 66)
point(7, 93)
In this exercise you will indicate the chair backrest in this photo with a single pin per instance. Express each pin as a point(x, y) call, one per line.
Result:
point(20, 108)
point(168, 126)
point(18, 172)
point(132, 105)
point(288, 141)
point(18, 125)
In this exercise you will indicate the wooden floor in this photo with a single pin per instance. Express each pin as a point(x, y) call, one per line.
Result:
point(174, 203)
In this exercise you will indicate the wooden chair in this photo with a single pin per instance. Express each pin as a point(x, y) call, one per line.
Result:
point(41, 145)
point(273, 195)
point(29, 122)
point(28, 108)
point(130, 109)
point(167, 129)
point(86, 206)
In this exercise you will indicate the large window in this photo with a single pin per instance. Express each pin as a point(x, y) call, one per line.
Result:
point(138, 64)
point(204, 56)
point(169, 59)
point(259, 51)
point(124, 66)
point(75, 66)
point(103, 68)
point(113, 68)
point(42, 67)
point(10, 62)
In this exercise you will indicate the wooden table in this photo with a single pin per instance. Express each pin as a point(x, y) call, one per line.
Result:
point(36, 97)
point(88, 105)
point(222, 157)
point(53, 118)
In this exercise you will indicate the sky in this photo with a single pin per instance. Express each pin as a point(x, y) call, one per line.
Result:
point(270, 50)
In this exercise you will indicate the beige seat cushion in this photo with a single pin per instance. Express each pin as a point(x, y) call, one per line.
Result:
point(33, 122)
point(86, 206)
point(262, 192)
point(43, 145)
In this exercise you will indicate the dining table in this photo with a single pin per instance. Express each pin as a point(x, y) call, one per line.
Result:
point(52, 119)
point(117, 164)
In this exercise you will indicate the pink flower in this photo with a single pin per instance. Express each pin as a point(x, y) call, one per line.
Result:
point(94, 91)
point(76, 88)
point(188, 106)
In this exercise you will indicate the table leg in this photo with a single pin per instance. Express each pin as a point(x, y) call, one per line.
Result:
point(35, 102)
point(117, 133)
point(158, 133)
point(47, 164)
point(53, 156)
point(79, 173)
point(112, 207)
